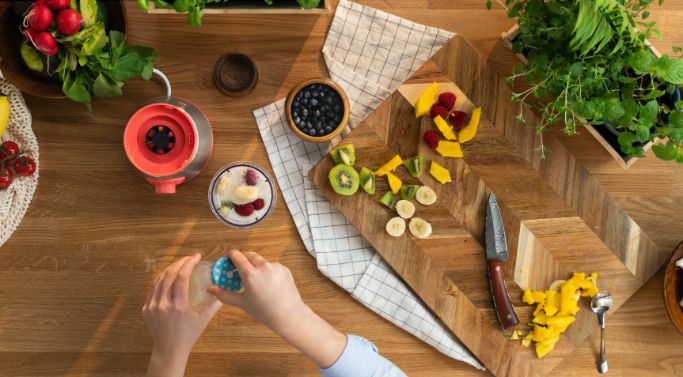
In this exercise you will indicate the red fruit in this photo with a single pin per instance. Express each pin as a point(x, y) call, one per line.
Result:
point(457, 119)
point(258, 204)
point(30, 33)
point(39, 17)
point(438, 110)
point(251, 178)
point(447, 100)
point(8, 148)
point(245, 209)
point(6, 178)
point(46, 43)
point(24, 166)
point(58, 4)
point(69, 22)
point(431, 138)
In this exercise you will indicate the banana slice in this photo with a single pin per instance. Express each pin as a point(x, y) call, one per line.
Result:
point(405, 209)
point(419, 228)
point(244, 194)
point(556, 285)
point(425, 195)
point(222, 186)
point(396, 226)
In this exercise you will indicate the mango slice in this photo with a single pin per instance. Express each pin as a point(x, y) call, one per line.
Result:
point(515, 335)
point(390, 166)
point(560, 323)
point(467, 133)
point(545, 346)
point(394, 183)
point(446, 130)
point(440, 173)
point(526, 342)
point(426, 100)
point(541, 318)
point(449, 149)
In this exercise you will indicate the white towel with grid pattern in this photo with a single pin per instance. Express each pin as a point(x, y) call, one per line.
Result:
point(369, 53)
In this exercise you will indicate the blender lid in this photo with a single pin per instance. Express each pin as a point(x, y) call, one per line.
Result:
point(225, 275)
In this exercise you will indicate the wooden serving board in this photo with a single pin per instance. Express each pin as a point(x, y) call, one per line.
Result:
point(558, 219)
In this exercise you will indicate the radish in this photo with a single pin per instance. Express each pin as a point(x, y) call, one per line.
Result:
point(58, 4)
point(46, 43)
point(39, 17)
point(69, 21)
point(30, 33)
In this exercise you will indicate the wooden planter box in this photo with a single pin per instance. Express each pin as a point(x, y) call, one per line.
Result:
point(604, 135)
point(255, 6)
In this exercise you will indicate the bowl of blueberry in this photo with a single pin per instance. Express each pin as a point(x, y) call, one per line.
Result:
point(317, 110)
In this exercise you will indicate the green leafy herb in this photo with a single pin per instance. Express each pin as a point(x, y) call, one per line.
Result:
point(31, 57)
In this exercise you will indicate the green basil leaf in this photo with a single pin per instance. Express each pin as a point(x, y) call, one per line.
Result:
point(181, 5)
point(676, 119)
point(117, 41)
point(642, 61)
point(679, 105)
point(103, 87)
point(649, 111)
point(676, 135)
point(671, 70)
point(194, 17)
point(143, 4)
point(613, 111)
point(643, 133)
point(307, 4)
point(31, 57)
point(666, 151)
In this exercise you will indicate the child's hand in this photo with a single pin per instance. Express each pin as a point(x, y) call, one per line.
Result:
point(173, 324)
point(270, 295)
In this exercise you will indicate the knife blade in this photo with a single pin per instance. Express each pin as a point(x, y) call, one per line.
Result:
point(496, 255)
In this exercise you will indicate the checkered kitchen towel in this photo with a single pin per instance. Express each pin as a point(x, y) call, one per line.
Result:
point(369, 53)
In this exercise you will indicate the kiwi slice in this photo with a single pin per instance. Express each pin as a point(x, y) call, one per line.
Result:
point(344, 179)
point(345, 154)
point(415, 165)
point(387, 199)
point(367, 180)
point(408, 191)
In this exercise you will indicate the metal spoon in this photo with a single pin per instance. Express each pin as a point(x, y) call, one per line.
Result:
point(600, 304)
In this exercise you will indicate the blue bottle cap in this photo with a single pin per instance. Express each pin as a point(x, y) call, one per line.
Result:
point(225, 275)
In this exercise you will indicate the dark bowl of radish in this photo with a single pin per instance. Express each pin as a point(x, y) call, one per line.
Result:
point(42, 83)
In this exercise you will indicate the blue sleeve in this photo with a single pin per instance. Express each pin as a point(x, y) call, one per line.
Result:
point(361, 359)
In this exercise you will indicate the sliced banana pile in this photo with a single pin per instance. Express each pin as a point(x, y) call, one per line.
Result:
point(244, 194)
point(405, 209)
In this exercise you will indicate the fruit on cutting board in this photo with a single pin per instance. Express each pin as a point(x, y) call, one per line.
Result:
point(414, 165)
point(556, 309)
point(467, 133)
point(449, 149)
point(390, 166)
point(431, 137)
point(4, 113)
point(394, 183)
point(438, 110)
point(425, 195)
point(345, 154)
point(445, 129)
point(405, 208)
point(457, 119)
point(367, 180)
point(419, 228)
point(344, 179)
point(447, 100)
point(440, 173)
point(408, 191)
point(426, 100)
point(387, 199)
point(396, 226)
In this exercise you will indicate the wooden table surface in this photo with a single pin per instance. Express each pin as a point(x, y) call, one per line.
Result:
point(74, 275)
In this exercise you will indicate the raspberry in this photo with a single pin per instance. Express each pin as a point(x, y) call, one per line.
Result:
point(447, 100)
point(251, 178)
point(258, 204)
point(245, 209)
point(432, 139)
point(438, 110)
point(457, 119)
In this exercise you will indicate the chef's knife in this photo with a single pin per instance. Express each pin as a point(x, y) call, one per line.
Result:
point(496, 255)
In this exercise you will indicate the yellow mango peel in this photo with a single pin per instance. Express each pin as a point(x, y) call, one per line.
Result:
point(390, 166)
point(446, 130)
point(440, 173)
point(394, 183)
point(426, 100)
point(449, 149)
point(467, 133)
point(555, 309)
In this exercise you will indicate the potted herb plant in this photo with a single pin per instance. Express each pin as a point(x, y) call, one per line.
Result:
point(196, 8)
point(588, 62)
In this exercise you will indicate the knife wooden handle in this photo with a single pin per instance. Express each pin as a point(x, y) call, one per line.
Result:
point(501, 299)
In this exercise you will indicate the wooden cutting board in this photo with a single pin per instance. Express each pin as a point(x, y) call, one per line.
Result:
point(556, 222)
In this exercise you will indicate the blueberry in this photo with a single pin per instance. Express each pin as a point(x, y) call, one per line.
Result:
point(322, 94)
point(307, 94)
point(304, 101)
point(295, 113)
point(328, 130)
point(337, 109)
point(313, 101)
point(297, 120)
point(337, 119)
point(304, 112)
point(296, 103)
point(328, 100)
point(309, 124)
point(316, 113)
point(312, 132)
point(316, 94)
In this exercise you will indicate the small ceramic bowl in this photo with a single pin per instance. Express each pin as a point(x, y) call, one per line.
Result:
point(235, 75)
point(673, 289)
point(344, 118)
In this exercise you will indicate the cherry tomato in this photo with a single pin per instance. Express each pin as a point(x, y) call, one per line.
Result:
point(8, 148)
point(24, 166)
point(6, 178)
